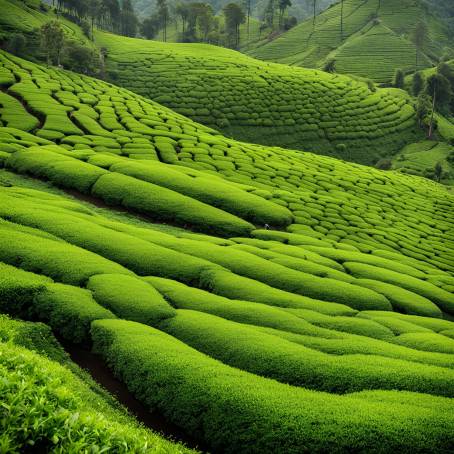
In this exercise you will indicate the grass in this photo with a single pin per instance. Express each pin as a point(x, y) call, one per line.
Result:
point(376, 39)
point(299, 291)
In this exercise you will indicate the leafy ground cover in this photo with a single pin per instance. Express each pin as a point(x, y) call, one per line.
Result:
point(375, 40)
point(287, 290)
point(263, 102)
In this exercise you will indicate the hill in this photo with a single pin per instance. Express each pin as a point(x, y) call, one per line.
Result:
point(310, 280)
point(262, 102)
point(376, 39)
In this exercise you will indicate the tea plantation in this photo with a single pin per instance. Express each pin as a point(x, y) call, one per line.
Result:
point(261, 299)
point(376, 38)
point(263, 102)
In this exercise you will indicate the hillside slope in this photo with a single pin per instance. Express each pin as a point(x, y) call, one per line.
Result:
point(263, 102)
point(340, 310)
point(316, 293)
point(376, 39)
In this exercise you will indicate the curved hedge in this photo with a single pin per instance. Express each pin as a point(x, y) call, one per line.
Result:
point(238, 412)
point(183, 297)
point(238, 287)
point(260, 353)
point(403, 300)
point(443, 299)
point(165, 204)
point(129, 298)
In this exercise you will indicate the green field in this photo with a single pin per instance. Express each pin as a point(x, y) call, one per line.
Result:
point(246, 293)
point(376, 39)
point(262, 102)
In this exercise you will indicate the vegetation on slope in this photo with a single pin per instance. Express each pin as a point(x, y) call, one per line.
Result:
point(265, 103)
point(376, 38)
point(347, 269)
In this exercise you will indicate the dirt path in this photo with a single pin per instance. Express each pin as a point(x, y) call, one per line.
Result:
point(95, 366)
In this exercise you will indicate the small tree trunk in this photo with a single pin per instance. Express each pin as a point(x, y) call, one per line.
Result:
point(433, 113)
point(315, 4)
point(342, 20)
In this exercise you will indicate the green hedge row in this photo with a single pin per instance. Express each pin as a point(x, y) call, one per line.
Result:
point(237, 412)
point(183, 297)
point(260, 353)
point(129, 298)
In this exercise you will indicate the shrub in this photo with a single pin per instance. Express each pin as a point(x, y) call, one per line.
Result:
point(210, 190)
point(60, 169)
point(238, 287)
point(69, 311)
point(443, 299)
point(252, 313)
point(238, 412)
point(430, 342)
point(284, 278)
point(18, 289)
point(248, 349)
point(46, 405)
point(351, 344)
point(129, 298)
point(403, 300)
point(351, 325)
point(165, 204)
point(56, 259)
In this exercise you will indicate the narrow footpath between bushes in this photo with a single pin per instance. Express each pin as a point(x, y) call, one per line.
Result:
point(95, 366)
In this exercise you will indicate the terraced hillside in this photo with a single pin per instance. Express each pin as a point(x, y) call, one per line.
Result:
point(376, 39)
point(26, 16)
point(262, 102)
point(244, 292)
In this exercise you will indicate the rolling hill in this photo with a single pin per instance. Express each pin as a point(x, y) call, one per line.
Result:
point(244, 292)
point(376, 39)
point(263, 102)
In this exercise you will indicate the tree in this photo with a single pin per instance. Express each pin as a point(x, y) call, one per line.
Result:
point(182, 10)
point(268, 15)
point(330, 66)
point(315, 12)
point(342, 20)
point(399, 79)
point(439, 89)
point(419, 37)
point(94, 10)
point(128, 19)
point(52, 40)
point(248, 15)
point(438, 172)
point(79, 58)
point(423, 106)
point(283, 5)
point(150, 27)
point(234, 16)
point(205, 21)
point(163, 15)
point(417, 83)
point(16, 44)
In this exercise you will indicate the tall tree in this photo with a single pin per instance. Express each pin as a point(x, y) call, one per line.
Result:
point(234, 16)
point(419, 38)
point(283, 5)
point(163, 14)
point(268, 15)
point(315, 12)
point(205, 21)
point(94, 9)
point(128, 19)
point(150, 26)
point(342, 20)
point(52, 40)
point(182, 10)
point(439, 89)
point(417, 83)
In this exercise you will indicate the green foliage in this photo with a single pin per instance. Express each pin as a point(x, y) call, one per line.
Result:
point(129, 298)
point(47, 407)
point(205, 396)
point(69, 311)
